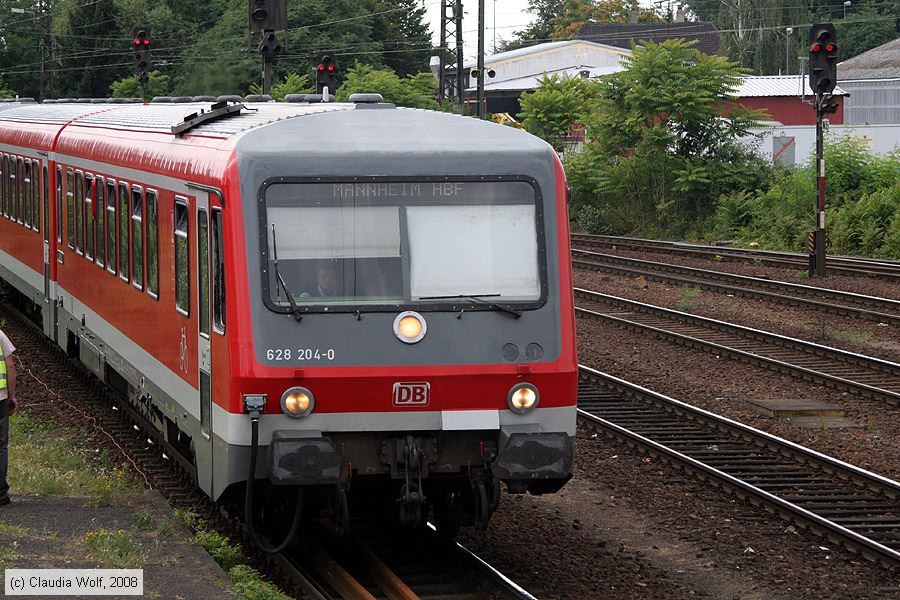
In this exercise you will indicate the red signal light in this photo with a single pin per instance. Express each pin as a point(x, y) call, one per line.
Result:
point(830, 47)
point(146, 42)
point(331, 67)
point(816, 47)
point(137, 42)
point(321, 67)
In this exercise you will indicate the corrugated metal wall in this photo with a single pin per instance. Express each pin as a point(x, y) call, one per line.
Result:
point(872, 102)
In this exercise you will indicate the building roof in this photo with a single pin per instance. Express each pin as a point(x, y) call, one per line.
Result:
point(777, 85)
point(520, 52)
point(882, 62)
point(531, 81)
point(621, 35)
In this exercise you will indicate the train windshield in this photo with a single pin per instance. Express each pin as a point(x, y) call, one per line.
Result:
point(363, 244)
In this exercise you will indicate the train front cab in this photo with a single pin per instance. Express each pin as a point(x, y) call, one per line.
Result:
point(413, 331)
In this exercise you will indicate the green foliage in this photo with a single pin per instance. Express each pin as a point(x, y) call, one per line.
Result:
point(249, 585)
point(293, 83)
point(863, 201)
point(224, 552)
point(128, 87)
point(415, 91)
point(663, 142)
point(550, 111)
point(115, 548)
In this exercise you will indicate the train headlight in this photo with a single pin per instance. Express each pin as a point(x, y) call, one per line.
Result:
point(297, 402)
point(409, 327)
point(522, 397)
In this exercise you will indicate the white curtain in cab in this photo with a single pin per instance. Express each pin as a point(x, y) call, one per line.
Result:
point(335, 232)
point(487, 249)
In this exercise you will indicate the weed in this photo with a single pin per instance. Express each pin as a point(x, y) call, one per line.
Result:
point(756, 262)
point(15, 530)
point(190, 519)
point(249, 585)
point(611, 548)
point(163, 528)
point(718, 258)
point(802, 275)
point(825, 331)
point(117, 548)
point(686, 294)
point(111, 490)
point(224, 552)
point(144, 519)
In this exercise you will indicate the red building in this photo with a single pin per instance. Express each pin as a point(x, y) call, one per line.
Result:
point(780, 96)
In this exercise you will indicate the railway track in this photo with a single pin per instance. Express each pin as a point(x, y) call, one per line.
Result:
point(846, 371)
point(433, 567)
point(883, 310)
point(846, 265)
point(843, 503)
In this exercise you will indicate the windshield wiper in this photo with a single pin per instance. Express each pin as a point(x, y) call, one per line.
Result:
point(280, 280)
point(480, 298)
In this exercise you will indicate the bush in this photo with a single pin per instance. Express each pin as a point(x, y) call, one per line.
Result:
point(868, 227)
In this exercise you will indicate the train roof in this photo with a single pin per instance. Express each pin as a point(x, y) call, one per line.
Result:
point(161, 117)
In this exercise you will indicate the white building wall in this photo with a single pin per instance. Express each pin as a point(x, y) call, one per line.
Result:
point(880, 139)
point(555, 59)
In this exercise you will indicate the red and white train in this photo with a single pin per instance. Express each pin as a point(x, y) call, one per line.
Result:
point(361, 297)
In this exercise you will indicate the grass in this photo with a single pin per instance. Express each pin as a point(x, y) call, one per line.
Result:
point(117, 548)
point(249, 585)
point(686, 294)
point(802, 275)
point(839, 335)
point(225, 553)
point(42, 462)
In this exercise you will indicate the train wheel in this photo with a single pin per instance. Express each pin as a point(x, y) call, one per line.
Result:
point(446, 515)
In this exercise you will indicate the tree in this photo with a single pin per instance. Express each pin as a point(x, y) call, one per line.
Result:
point(293, 83)
point(398, 28)
point(101, 55)
point(415, 91)
point(551, 110)
point(128, 87)
point(664, 138)
point(863, 31)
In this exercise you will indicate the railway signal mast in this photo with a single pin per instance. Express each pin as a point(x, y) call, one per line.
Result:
point(141, 43)
point(822, 80)
point(267, 16)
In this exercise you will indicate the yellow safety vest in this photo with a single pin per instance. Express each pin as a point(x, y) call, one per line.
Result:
point(2, 372)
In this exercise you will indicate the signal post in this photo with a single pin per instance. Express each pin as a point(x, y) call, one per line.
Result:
point(822, 80)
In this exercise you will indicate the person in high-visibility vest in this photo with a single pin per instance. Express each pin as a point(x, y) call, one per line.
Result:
point(7, 407)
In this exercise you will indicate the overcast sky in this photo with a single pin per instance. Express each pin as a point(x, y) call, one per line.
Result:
point(510, 16)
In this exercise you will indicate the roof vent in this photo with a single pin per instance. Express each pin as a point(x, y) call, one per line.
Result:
point(66, 100)
point(258, 98)
point(49, 101)
point(366, 98)
point(161, 99)
point(84, 101)
point(9, 100)
point(98, 101)
point(231, 98)
point(133, 101)
point(307, 98)
point(182, 99)
point(204, 98)
point(115, 100)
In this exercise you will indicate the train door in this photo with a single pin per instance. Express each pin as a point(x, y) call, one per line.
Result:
point(204, 359)
point(49, 308)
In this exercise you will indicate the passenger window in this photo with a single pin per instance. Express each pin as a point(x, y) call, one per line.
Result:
point(111, 225)
point(89, 217)
point(218, 272)
point(182, 260)
point(59, 205)
point(35, 195)
point(203, 269)
point(79, 212)
point(137, 237)
point(123, 231)
point(4, 161)
point(152, 219)
point(100, 210)
point(45, 194)
point(26, 191)
point(11, 188)
point(20, 192)
point(70, 203)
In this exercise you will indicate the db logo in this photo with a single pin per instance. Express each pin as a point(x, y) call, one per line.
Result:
point(411, 394)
